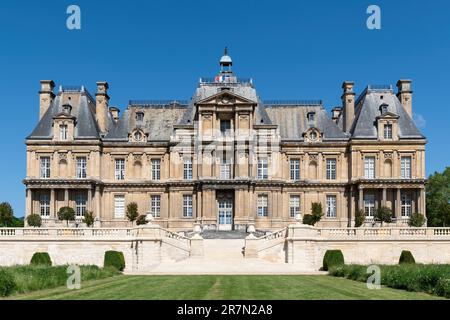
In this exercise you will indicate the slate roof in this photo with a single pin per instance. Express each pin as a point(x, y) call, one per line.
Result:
point(364, 125)
point(86, 126)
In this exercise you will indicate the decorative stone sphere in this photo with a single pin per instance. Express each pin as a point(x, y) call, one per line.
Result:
point(149, 218)
point(298, 217)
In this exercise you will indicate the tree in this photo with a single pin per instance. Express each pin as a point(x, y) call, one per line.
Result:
point(89, 218)
point(416, 220)
point(438, 198)
point(141, 219)
point(67, 214)
point(132, 211)
point(34, 220)
point(383, 214)
point(360, 217)
point(6, 215)
point(315, 216)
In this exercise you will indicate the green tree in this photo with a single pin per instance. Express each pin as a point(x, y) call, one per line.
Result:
point(383, 214)
point(315, 216)
point(416, 220)
point(67, 214)
point(6, 215)
point(438, 199)
point(89, 218)
point(34, 220)
point(360, 217)
point(132, 211)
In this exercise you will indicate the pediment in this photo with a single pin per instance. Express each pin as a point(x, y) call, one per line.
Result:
point(226, 97)
point(63, 115)
point(388, 115)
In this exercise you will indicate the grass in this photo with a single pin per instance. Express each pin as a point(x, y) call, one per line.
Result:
point(302, 287)
point(30, 278)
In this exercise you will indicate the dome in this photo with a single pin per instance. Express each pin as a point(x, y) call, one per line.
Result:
point(225, 59)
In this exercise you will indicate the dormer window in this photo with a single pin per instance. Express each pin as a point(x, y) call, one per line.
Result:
point(311, 117)
point(313, 135)
point(63, 132)
point(384, 108)
point(140, 116)
point(387, 131)
point(67, 108)
point(138, 136)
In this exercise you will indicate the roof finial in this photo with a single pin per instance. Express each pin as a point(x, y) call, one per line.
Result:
point(225, 51)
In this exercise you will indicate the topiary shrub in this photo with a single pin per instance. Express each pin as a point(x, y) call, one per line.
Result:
point(67, 214)
point(416, 220)
point(41, 258)
point(7, 283)
point(114, 259)
point(34, 220)
point(332, 258)
point(406, 257)
point(89, 218)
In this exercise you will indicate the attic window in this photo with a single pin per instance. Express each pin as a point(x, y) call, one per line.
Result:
point(140, 116)
point(383, 108)
point(311, 117)
point(67, 108)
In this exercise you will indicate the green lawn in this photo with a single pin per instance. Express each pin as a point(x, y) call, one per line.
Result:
point(223, 287)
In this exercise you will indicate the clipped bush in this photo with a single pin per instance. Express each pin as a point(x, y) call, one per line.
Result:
point(443, 288)
point(41, 258)
point(416, 220)
point(114, 259)
point(89, 218)
point(406, 257)
point(67, 214)
point(332, 258)
point(34, 220)
point(7, 283)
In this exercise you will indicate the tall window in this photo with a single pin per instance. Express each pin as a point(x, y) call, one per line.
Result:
point(80, 204)
point(388, 131)
point(406, 167)
point(187, 206)
point(156, 169)
point(45, 167)
point(406, 205)
point(263, 168)
point(120, 169)
point(331, 207)
point(225, 125)
point(187, 169)
point(295, 169)
point(263, 209)
point(44, 205)
point(331, 169)
point(119, 206)
point(155, 205)
point(369, 205)
point(369, 167)
point(225, 169)
point(81, 167)
point(63, 132)
point(294, 205)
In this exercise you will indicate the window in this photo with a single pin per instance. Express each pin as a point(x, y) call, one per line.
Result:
point(156, 169)
point(295, 169)
point(225, 169)
point(225, 125)
point(80, 205)
point(62, 132)
point(187, 206)
point(119, 206)
point(45, 167)
point(331, 169)
point(388, 131)
point(311, 117)
point(369, 205)
point(120, 169)
point(331, 207)
point(263, 168)
point(406, 205)
point(406, 167)
point(44, 205)
point(294, 205)
point(369, 167)
point(81, 167)
point(313, 136)
point(139, 116)
point(155, 206)
point(263, 210)
point(187, 169)
point(138, 136)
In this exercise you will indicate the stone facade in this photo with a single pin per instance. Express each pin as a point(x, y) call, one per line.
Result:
point(225, 158)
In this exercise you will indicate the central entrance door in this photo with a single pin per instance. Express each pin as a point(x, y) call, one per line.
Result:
point(225, 212)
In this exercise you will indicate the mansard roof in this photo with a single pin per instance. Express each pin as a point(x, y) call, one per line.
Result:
point(366, 114)
point(82, 111)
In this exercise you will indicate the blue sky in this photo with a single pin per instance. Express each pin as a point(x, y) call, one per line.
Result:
point(159, 49)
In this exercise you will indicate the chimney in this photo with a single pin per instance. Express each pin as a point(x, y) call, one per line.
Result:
point(348, 104)
point(404, 94)
point(335, 113)
point(115, 113)
point(101, 105)
point(46, 96)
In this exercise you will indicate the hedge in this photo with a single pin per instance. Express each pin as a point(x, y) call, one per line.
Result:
point(406, 257)
point(332, 258)
point(114, 259)
point(7, 283)
point(41, 258)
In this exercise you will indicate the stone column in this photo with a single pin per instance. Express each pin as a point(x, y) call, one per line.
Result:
point(422, 201)
point(361, 198)
point(350, 213)
point(66, 197)
point(97, 201)
point(398, 204)
point(29, 202)
point(383, 198)
point(52, 204)
point(414, 201)
point(89, 199)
